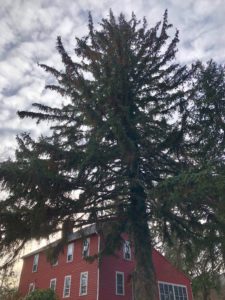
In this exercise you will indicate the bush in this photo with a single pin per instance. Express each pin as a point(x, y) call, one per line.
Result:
point(42, 295)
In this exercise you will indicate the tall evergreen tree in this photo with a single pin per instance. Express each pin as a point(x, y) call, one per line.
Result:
point(132, 134)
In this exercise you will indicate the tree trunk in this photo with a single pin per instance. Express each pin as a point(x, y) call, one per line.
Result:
point(144, 283)
point(206, 294)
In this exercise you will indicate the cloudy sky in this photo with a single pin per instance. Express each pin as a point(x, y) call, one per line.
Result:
point(28, 35)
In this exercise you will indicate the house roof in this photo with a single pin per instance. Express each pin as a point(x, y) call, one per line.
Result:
point(89, 230)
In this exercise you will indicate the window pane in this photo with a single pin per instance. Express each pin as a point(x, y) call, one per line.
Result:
point(67, 283)
point(53, 284)
point(54, 262)
point(36, 259)
point(166, 289)
point(176, 290)
point(184, 291)
point(83, 283)
point(180, 291)
point(127, 250)
point(85, 251)
point(171, 294)
point(35, 263)
point(70, 252)
point(119, 284)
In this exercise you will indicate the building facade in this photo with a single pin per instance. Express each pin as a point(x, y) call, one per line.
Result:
point(74, 278)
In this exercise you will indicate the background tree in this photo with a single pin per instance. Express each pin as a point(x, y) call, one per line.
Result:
point(8, 286)
point(198, 194)
point(202, 263)
point(133, 147)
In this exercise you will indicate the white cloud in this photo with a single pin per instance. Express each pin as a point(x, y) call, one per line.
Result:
point(29, 30)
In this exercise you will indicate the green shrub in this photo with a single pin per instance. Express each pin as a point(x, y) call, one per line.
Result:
point(42, 295)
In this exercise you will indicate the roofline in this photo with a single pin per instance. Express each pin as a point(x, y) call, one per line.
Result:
point(89, 230)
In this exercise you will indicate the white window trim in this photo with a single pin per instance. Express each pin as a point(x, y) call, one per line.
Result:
point(51, 280)
point(173, 284)
point(83, 294)
point(71, 244)
point(89, 244)
point(118, 294)
point(36, 268)
point(124, 250)
point(31, 287)
point(64, 285)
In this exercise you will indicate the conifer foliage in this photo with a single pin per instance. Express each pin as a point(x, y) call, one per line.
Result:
point(129, 137)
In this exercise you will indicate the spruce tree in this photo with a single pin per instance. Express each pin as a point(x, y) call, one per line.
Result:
point(123, 152)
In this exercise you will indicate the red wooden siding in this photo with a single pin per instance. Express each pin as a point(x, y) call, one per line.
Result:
point(108, 268)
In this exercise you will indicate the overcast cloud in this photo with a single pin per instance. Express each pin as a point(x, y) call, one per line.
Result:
point(28, 35)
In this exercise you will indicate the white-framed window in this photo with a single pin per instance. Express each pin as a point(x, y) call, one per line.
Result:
point(86, 247)
point(120, 283)
point(55, 262)
point(31, 287)
point(83, 283)
point(53, 284)
point(67, 285)
point(35, 263)
point(127, 250)
point(170, 291)
point(70, 249)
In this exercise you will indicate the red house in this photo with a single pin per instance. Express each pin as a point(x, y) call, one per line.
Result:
point(74, 278)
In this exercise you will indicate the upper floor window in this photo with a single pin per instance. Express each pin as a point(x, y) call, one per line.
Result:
point(86, 247)
point(54, 262)
point(31, 288)
point(83, 283)
point(66, 288)
point(53, 284)
point(120, 283)
point(70, 250)
point(35, 263)
point(127, 250)
point(171, 291)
